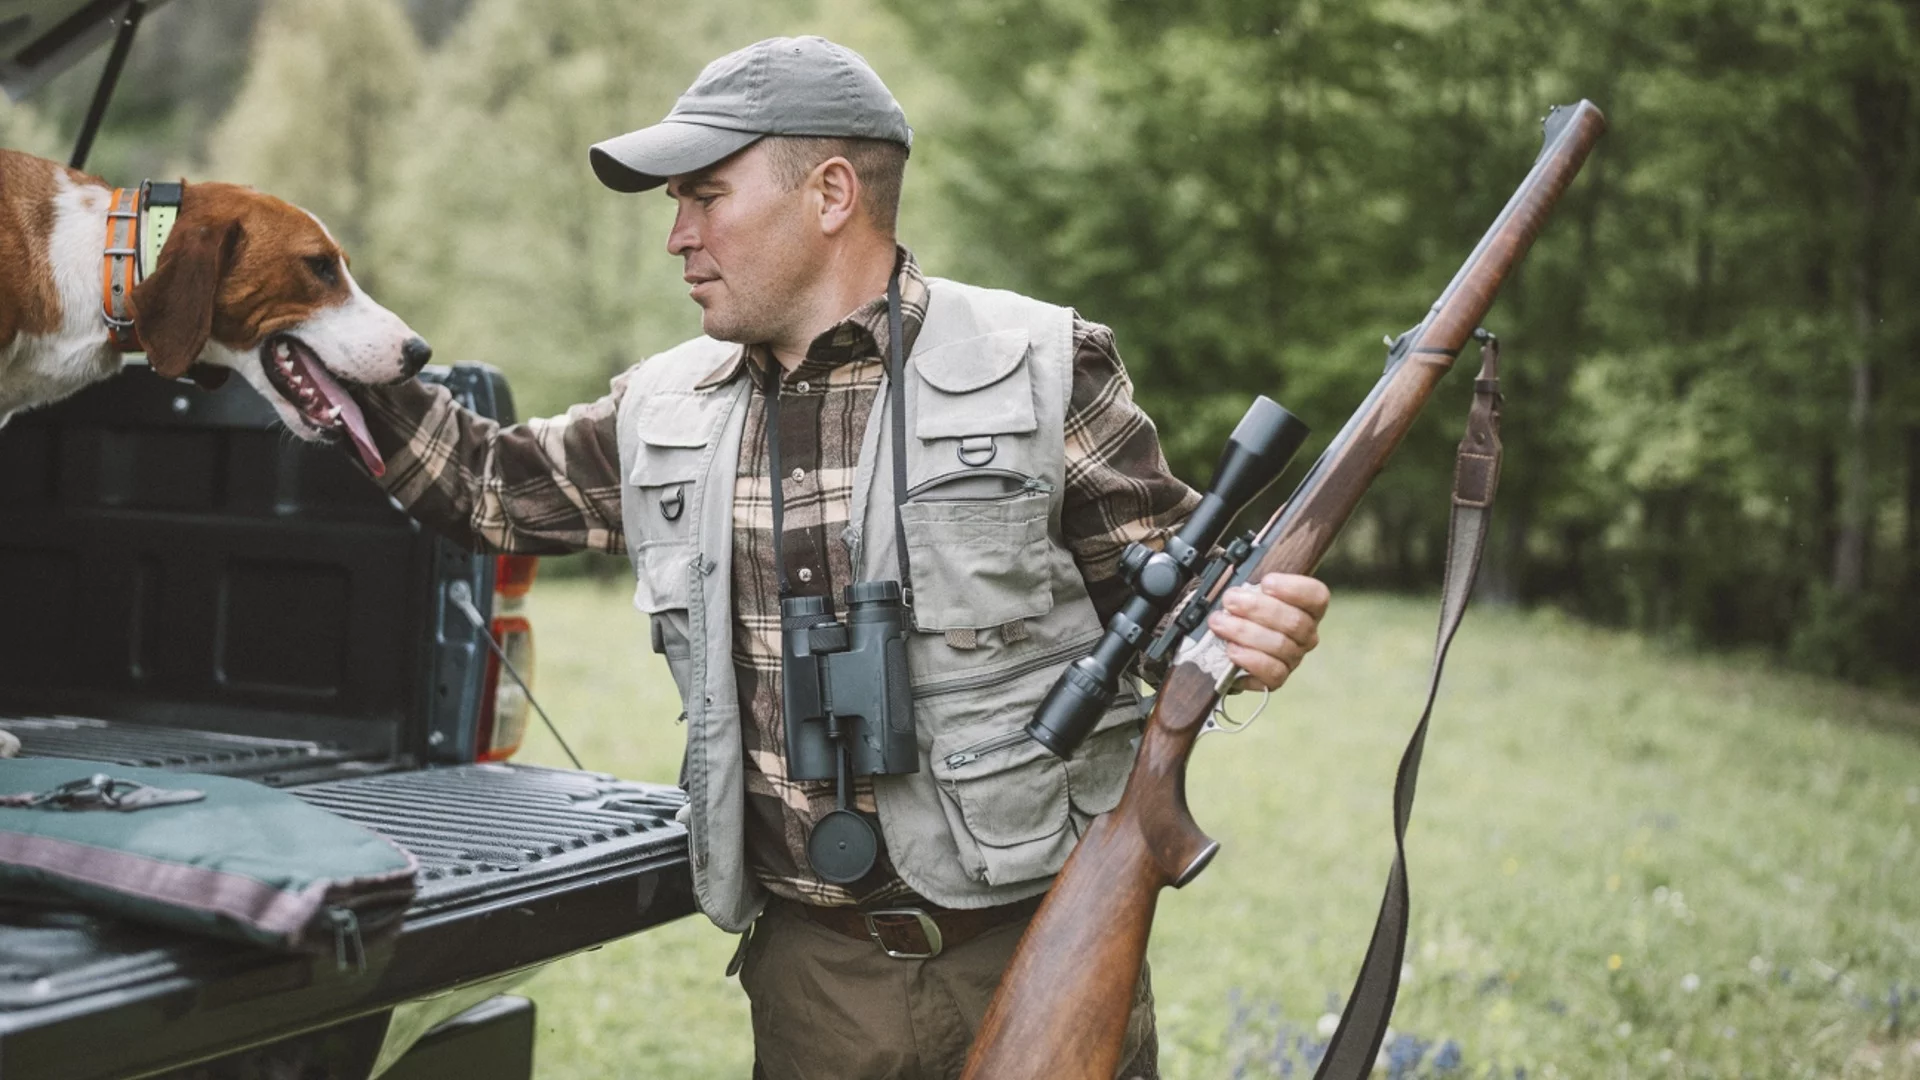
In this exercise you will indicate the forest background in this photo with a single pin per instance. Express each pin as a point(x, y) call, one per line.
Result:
point(1713, 431)
point(1713, 420)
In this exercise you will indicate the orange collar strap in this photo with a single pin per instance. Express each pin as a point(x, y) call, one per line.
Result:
point(120, 268)
point(139, 220)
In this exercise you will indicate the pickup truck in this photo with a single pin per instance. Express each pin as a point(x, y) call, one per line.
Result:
point(184, 585)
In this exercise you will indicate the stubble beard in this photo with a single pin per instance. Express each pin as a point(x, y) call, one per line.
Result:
point(750, 315)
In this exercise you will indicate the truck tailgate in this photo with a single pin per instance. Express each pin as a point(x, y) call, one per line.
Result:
point(519, 865)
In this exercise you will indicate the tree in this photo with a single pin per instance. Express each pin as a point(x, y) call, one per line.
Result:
point(497, 242)
point(317, 116)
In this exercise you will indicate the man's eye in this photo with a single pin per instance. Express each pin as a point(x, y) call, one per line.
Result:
point(705, 201)
point(324, 268)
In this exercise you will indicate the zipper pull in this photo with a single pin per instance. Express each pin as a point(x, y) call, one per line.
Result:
point(964, 757)
point(346, 939)
point(1038, 483)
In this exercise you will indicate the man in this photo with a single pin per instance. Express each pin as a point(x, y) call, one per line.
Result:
point(1026, 470)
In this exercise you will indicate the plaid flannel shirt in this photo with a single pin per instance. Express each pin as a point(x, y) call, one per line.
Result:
point(553, 485)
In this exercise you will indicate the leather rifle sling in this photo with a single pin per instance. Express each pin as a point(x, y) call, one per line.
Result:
point(1355, 1044)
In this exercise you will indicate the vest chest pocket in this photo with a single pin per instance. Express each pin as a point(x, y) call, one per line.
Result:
point(665, 487)
point(978, 563)
point(976, 521)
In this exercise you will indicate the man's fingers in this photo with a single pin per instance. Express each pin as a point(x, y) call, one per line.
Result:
point(1308, 594)
point(1276, 613)
point(1258, 635)
point(1262, 672)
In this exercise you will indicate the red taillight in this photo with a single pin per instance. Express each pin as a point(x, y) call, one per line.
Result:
point(504, 704)
point(513, 574)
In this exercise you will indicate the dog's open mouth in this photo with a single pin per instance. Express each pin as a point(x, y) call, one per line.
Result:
point(319, 398)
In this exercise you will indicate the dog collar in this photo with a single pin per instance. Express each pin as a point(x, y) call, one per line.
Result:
point(138, 224)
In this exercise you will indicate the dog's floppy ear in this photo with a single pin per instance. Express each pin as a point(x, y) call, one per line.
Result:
point(173, 307)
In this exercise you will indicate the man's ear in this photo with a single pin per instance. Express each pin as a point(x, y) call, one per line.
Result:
point(173, 307)
point(839, 190)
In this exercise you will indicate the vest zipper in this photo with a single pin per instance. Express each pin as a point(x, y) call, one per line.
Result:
point(1027, 484)
point(979, 750)
point(969, 754)
point(1031, 663)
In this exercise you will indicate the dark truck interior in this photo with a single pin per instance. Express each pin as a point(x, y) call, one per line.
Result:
point(184, 585)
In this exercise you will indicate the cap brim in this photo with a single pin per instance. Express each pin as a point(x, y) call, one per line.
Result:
point(644, 159)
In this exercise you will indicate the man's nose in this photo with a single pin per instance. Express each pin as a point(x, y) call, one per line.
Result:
point(682, 237)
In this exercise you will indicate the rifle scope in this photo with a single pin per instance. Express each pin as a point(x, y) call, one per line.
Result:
point(1262, 444)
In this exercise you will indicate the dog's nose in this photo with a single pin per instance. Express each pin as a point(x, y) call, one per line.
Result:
point(415, 354)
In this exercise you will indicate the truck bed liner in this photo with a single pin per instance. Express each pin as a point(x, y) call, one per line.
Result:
point(157, 747)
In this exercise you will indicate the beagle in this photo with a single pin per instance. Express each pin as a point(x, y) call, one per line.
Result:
point(202, 277)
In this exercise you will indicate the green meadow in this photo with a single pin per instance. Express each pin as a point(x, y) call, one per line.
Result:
point(1626, 861)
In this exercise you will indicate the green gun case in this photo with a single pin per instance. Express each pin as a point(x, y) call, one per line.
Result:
point(204, 854)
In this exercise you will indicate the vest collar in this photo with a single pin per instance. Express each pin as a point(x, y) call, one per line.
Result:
point(138, 224)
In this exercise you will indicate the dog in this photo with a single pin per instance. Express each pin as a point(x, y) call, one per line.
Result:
point(244, 282)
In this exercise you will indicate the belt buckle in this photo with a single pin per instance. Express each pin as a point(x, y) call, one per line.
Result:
point(927, 926)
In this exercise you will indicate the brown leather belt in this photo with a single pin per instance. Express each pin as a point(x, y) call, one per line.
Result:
point(918, 932)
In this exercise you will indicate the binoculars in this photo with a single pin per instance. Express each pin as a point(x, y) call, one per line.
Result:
point(848, 704)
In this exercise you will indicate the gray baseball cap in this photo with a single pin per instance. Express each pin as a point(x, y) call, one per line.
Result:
point(780, 86)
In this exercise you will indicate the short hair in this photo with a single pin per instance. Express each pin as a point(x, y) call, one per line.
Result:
point(880, 164)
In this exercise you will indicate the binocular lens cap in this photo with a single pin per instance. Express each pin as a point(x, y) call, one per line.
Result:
point(843, 847)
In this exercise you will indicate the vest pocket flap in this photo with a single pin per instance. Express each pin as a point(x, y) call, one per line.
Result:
point(966, 391)
point(961, 367)
point(1010, 790)
point(661, 578)
point(679, 418)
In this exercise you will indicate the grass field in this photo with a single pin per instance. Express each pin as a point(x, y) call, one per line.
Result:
point(1624, 863)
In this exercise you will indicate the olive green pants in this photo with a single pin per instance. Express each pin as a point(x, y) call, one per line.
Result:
point(829, 1007)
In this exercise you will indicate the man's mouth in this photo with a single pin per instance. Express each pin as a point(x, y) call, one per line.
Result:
point(313, 391)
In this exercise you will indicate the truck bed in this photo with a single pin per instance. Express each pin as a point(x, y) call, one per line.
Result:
point(189, 588)
point(519, 865)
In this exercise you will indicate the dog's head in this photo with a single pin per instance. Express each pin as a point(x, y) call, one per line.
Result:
point(254, 284)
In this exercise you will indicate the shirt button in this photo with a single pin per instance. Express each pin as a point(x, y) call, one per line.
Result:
point(801, 386)
point(797, 475)
point(805, 575)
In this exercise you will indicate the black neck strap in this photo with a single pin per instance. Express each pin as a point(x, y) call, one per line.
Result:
point(897, 401)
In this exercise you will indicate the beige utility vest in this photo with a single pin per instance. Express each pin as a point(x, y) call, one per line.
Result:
point(999, 605)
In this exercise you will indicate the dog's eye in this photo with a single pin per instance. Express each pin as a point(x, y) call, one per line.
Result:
point(324, 268)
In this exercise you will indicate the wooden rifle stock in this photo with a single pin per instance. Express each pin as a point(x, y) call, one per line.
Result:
point(1062, 1007)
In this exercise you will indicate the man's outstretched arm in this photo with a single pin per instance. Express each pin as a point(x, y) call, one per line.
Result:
point(545, 487)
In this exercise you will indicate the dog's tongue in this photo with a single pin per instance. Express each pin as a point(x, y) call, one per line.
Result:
point(350, 416)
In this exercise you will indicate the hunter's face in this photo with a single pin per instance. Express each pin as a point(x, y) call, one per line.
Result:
point(747, 246)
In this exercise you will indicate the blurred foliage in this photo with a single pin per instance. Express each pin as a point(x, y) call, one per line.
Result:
point(1713, 421)
point(1713, 424)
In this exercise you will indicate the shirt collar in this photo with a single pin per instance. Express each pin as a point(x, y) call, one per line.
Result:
point(861, 335)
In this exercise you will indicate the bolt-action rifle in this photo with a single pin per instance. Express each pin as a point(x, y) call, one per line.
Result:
point(1061, 1009)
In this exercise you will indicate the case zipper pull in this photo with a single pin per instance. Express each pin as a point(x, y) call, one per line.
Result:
point(346, 940)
